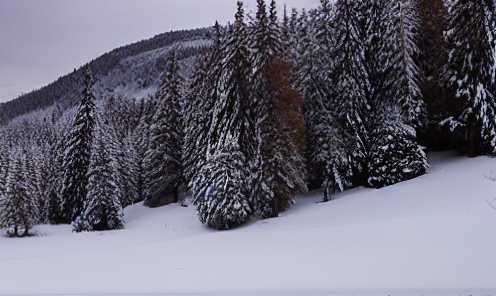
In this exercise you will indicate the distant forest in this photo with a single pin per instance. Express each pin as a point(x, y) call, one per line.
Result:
point(237, 120)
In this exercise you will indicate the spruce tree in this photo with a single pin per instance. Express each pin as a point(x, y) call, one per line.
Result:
point(395, 100)
point(471, 72)
point(141, 141)
point(406, 72)
point(396, 155)
point(312, 69)
point(165, 169)
point(229, 131)
point(102, 207)
point(77, 154)
point(349, 83)
point(18, 209)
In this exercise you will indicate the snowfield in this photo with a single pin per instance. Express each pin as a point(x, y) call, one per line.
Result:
point(435, 235)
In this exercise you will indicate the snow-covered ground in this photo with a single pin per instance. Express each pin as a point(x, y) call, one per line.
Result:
point(435, 235)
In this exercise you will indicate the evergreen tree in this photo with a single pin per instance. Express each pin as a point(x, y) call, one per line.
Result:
point(312, 69)
point(396, 155)
point(404, 77)
point(56, 174)
point(283, 147)
point(349, 83)
point(115, 139)
point(165, 170)
point(141, 141)
point(77, 155)
point(222, 203)
point(102, 206)
point(18, 209)
point(395, 98)
point(229, 131)
point(471, 72)
point(263, 48)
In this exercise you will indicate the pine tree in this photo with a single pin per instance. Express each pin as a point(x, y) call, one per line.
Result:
point(141, 141)
point(332, 160)
point(471, 72)
point(395, 98)
point(165, 171)
point(229, 135)
point(204, 90)
point(263, 47)
point(396, 155)
point(349, 81)
point(102, 206)
point(18, 209)
point(56, 174)
point(4, 160)
point(77, 155)
point(311, 72)
point(404, 79)
point(222, 203)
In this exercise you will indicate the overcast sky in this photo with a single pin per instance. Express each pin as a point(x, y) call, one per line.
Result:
point(42, 40)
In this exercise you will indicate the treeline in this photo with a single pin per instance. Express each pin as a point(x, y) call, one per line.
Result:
point(350, 94)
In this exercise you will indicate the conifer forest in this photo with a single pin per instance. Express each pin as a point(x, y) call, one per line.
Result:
point(354, 93)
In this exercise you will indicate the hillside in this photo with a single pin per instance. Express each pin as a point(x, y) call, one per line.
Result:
point(434, 235)
point(129, 71)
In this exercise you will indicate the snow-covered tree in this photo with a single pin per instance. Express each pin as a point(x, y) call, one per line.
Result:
point(102, 206)
point(349, 82)
point(404, 84)
point(396, 156)
point(283, 167)
point(163, 158)
point(222, 203)
point(77, 154)
point(204, 90)
point(471, 72)
point(141, 143)
point(228, 129)
point(18, 210)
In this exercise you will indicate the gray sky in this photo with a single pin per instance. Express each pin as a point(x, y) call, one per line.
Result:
point(42, 40)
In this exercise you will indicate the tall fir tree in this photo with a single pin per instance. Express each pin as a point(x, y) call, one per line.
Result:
point(204, 90)
point(396, 155)
point(310, 70)
point(396, 102)
point(471, 72)
point(77, 152)
point(229, 131)
point(18, 209)
point(349, 83)
point(404, 81)
point(102, 206)
point(165, 169)
point(141, 141)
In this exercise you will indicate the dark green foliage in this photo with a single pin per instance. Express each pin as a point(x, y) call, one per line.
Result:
point(163, 162)
point(77, 154)
point(471, 72)
point(18, 208)
point(102, 206)
point(222, 203)
point(395, 154)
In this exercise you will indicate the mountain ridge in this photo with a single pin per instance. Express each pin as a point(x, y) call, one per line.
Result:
point(66, 90)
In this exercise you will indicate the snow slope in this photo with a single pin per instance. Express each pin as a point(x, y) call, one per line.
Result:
point(435, 235)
